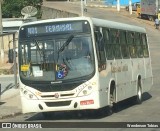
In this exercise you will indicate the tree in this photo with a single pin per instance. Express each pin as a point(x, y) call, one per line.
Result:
point(12, 8)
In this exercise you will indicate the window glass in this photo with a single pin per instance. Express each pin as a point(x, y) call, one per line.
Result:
point(138, 42)
point(47, 59)
point(108, 45)
point(145, 46)
point(110, 51)
point(100, 47)
point(137, 39)
point(124, 46)
point(132, 46)
point(117, 51)
point(130, 38)
point(114, 36)
point(106, 35)
point(115, 41)
point(140, 51)
point(133, 51)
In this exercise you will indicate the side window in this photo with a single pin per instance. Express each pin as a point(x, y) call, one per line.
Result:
point(131, 44)
point(115, 41)
point(138, 43)
point(108, 45)
point(100, 48)
point(145, 46)
point(124, 46)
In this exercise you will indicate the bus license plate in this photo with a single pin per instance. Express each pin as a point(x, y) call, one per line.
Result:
point(87, 102)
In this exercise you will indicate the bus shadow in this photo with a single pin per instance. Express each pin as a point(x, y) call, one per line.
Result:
point(1, 103)
point(88, 114)
point(67, 115)
point(146, 96)
point(122, 105)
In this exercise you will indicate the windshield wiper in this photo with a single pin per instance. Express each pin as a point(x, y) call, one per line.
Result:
point(41, 53)
point(37, 45)
point(66, 43)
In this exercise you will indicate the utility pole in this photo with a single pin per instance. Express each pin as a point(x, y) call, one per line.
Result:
point(85, 2)
point(130, 7)
point(1, 38)
point(118, 5)
point(14, 59)
point(1, 27)
point(82, 8)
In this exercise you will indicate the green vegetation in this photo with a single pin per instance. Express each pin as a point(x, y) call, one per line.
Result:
point(12, 8)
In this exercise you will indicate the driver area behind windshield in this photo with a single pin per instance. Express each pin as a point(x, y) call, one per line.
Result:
point(42, 60)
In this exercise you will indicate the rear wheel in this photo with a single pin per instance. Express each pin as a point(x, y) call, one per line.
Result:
point(139, 93)
point(112, 94)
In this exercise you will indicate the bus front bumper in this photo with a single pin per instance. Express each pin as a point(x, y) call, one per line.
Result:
point(77, 103)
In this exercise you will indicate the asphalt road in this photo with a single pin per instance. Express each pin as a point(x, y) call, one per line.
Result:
point(148, 111)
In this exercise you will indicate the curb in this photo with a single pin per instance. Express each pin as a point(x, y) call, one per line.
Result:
point(99, 6)
point(7, 75)
point(11, 115)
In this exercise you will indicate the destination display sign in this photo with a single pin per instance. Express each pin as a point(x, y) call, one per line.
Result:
point(55, 28)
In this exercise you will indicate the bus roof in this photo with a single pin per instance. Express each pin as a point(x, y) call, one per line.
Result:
point(117, 25)
point(96, 22)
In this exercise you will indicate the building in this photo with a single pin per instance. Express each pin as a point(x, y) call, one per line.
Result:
point(13, 24)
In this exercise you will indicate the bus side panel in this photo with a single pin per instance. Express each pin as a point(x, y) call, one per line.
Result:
point(105, 77)
point(123, 79)
point(148, 81)
point(138, 70)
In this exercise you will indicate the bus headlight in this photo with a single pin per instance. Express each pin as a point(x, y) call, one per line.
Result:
point(86, 91)
point(28, 94)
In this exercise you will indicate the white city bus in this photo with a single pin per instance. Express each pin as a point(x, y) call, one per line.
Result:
point(81, 63)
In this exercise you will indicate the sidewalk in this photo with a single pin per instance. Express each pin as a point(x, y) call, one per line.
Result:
point(10, 104)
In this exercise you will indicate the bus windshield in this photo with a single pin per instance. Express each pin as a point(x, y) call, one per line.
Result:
point(56, 58)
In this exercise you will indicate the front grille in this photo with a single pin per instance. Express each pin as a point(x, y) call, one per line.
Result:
point(55, 87)
point(67, 94)
point(61, 95)
point(55, 104)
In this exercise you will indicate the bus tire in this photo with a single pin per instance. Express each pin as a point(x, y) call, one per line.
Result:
point(111, 98)
point(139, 92)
